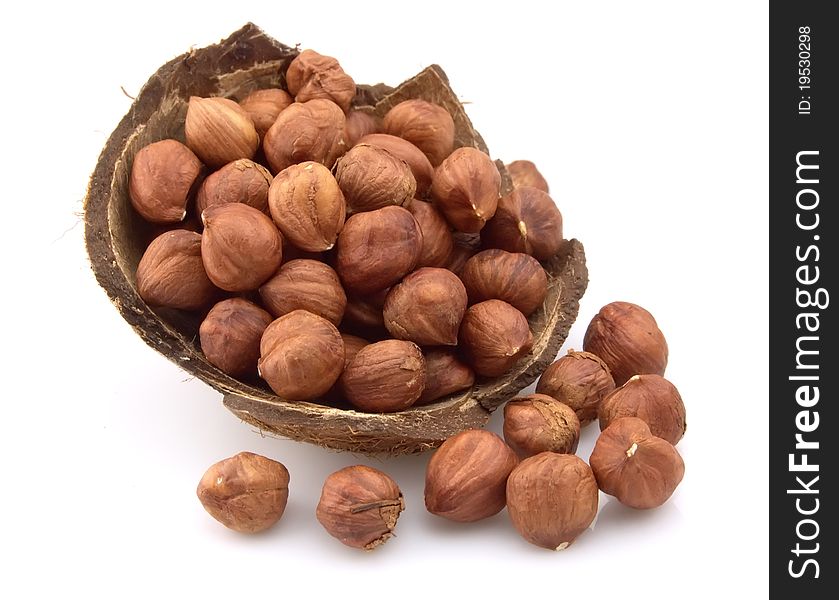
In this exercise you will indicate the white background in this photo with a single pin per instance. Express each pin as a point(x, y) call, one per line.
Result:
point(649, 119)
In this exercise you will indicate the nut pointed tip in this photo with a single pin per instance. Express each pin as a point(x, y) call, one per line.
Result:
point(563, 546)
point(632, 449)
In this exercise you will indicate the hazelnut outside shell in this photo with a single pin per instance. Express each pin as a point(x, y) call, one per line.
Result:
point(240, 181)
point(301, 356)
point(420, 166)
point(651, 398)
point(311, 75)
point(627, 338)
point(437, 240)
point(171, 272)
point(466, 477)
point(359, 506)
point(230, 335)
point(308, 206)
point(638, 468)
point(465, 188)
point(445, 374)
point(241, 248)
point(426, 307)
point(246, 492)
point(528, 221)
point(579, 379)
point(162, 176)
point(312, 130)
point(371, 177)
point(552, 499)
point(376, 249)
point(305, 284)
point(493, 336)
point(264, 106)
point(387, 376)
point(427, 126)
point(458, 258)
point(219, 131)
point(539, 423)
point(517, 279)
point(363, 315)
point(525, 173)
point(360, 124)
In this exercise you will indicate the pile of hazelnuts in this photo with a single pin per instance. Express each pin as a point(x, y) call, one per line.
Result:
point(367, 263)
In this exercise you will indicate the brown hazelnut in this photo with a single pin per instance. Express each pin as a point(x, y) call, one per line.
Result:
point(363, 315)
point(420, 165)
point(651, 398)
point(371, 177)
point(219, 131)
point(437, 240)
point(528, 221)
point(633, 465)
point(360, 124)
point(552, 499)
point(525, 173)
point(493, 336)
point(308, 206)
point(230, 336)
point(352, 345)
point(360, 506)
point(312, 130)
point(246, 492)
point(240, 181)
point(377, 248)
point(459, 257)
point(579, 379)
point(445, 374)
point(305, 284)
point(628, 339)
point(517, 279)
point(465, 188)
point(240, 246)
point(387, 376)
point(466, 477)
point(264, 106)
point(162, 176)
point(427, 126)
point(538, 423)
point(301, 356)
point(426, 307)
point(171, 272)
point(311, 75)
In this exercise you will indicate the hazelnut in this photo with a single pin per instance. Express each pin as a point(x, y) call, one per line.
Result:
point(387, 376)
point(528, 221)
point(552, 499)
point(305, 284)
point(219, 131)
point(465, 188)
point(437, 240)
point(312, 130)
point(377, 248)
point(651, 398)
point(311, 75)
point(240, 246)
point(364, 315)
point(628, 339)
point(633, 465)
point(240, 181)
point(360, 506)
point(459, 257)
point(301, 356)
point(427, 126)
point(246, 492)
point(445, 374)
point(420, 165)
point(171, 272)
point(493, 336)
point(360, 124)
point(466, 477)
point(579, 379)
point(308, 206)
point(525, 173)
point(517, 279)
point(264, 106)
point(538, 423)
point(352, 345)
point(162, 176)
point(371, 177)
point(230, 336)
point(426, 307)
